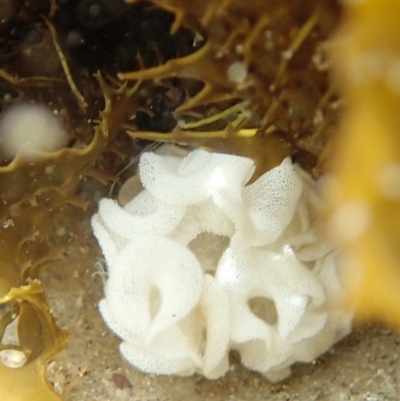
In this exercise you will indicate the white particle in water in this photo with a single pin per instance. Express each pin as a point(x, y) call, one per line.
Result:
point(350, 221)
point(12, 358)
point(237, 72)
point(31, 127)
point(388, 181)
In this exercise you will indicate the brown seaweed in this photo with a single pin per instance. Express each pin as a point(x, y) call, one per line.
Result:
point(249, 78)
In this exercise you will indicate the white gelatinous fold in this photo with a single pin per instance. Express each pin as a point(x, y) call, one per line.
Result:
point(215, 307)
point(110, 243)
point(265, 208)
point(202, 217)
point(326, 268)
point(143, 215)
point(103, 238)
point(263, 355)
point(112, 323)
point(200, 264)
point(194, 178)
point(262, 273)
point(152, 265)
point(298, 276)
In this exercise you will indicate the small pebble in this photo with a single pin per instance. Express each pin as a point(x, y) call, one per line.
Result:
point(121, 381)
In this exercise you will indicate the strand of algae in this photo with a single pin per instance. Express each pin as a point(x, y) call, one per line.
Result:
point(39, 338)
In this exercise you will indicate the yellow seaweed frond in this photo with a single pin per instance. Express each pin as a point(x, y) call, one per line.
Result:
point(40, 340)
point(364, 190)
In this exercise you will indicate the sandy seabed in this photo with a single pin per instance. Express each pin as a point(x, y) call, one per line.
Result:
point(365, 366)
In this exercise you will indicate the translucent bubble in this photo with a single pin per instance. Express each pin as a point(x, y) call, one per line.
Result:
point(30, 128)
point(350, 221)
point(237, 72)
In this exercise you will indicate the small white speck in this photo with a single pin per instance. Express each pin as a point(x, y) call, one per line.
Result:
point(335, 104)
point(12, 358)
point(31, 127)
point(388, 181)
point(367, 67)
point(287, 54)
point(331, 187)
point(320, 61)
point(350, 221)
point(49, 170)
point(8, 223)
point(237, 72)
point(60, 231)
point(239, 49)
point(318, 117)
